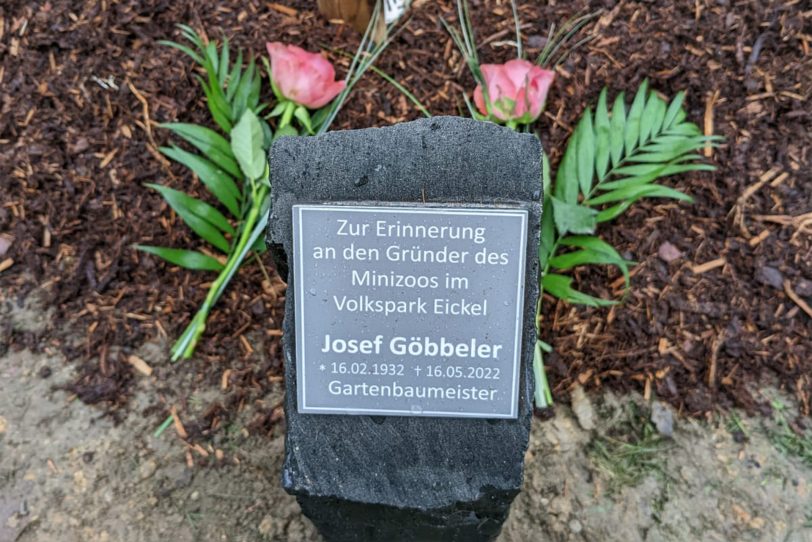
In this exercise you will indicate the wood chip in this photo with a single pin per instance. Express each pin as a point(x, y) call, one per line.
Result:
point(140, 365)
point(224, 379)
point(708, 266)
point(179, 429)
point(5, 264)
point(709, 107)
point(285, 10)
point(797, 299)
point(755, 241)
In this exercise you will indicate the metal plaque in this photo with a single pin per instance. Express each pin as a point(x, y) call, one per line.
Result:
point(409, 310)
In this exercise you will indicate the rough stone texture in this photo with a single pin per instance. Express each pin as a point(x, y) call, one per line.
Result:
point(364, 478)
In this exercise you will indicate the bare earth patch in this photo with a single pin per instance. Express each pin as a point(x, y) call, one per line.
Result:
point(69, 472)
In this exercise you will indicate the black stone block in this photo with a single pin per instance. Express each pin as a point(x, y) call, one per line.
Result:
point(369, 478)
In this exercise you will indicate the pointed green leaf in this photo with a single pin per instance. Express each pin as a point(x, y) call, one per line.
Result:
point(664, 170)
point(184, 204)
point(595, 251)
point(222, 68)
point(234, 78)
point(304, 118)
point(210, 143)
point(632, 132)
point(685, 129)
point(184, 49)
point(658, 115)
point(652, 116)
point(566, 179)
point(573, 218)
point(189, 259)
point(220, 117)
point(246, 144)
point(617, 129)
point(602, 129)
point(561, 287)
point(547, 237)
point(240, 103)
point(610, 213)
point(277, 110)
point(585, 135)
point(646, 190)
point(673, 108)
point(216, 180)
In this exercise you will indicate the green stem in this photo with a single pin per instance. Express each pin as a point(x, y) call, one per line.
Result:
point(185, 345)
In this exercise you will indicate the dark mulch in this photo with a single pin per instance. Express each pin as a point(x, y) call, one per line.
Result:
point(83, 86)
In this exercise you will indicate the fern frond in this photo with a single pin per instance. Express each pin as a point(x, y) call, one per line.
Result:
point(623, 149)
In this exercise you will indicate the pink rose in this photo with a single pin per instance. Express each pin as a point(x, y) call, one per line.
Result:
point(517, 90)
point(302, 77)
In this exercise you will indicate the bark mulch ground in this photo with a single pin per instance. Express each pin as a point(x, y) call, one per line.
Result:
point(84, 85)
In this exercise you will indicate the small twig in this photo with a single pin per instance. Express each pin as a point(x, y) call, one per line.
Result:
point(262, 267)
point(707, 266)
point(709, 106)
point(797, 299)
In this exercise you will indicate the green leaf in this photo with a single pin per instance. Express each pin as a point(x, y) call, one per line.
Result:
point(573, 218)
point(646, 190)
point(184, 49)
point(222, 71)
point(218, 98)
point(632, 132)
point(684, 129)
point(216, 180)
point(189, 259)
point(547, 237)
point(220, 116)
point(566, 179)
point(210, 143)
point(277, 110)
point(594, 251)
point(561, 287)
point(674, 107)
point(617, 129)
point(318, 118)
point(234, 78)
point(663, 170)
point(602, 130)
point(240, 103)
point(657, 114)
point(585, 137)
point(246, 144)
point(214, 60)
point(201, 227)
point(303, 117)
point(610, 213)
point(649, 117)
point(184, 204)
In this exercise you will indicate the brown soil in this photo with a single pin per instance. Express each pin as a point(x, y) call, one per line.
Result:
point(83, 86)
